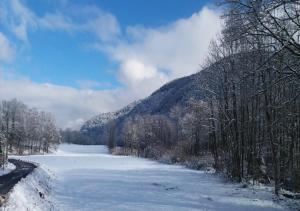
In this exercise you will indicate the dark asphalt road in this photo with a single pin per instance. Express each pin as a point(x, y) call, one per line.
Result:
point(8, 181)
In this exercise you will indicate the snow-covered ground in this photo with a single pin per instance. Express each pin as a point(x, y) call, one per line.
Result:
point(32, 193)
point(8, 167)
point(88, 178)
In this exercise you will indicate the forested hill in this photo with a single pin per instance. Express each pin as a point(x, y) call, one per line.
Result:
point(94, 130)
point(178, 92)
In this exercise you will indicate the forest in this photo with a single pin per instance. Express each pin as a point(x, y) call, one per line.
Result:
point(25, 130)
point(248, 124)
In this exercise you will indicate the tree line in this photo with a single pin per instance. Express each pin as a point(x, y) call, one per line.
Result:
point(25, 130)
point(75, 137)
point(249, 121)
point(180, 137)
point(253, 89)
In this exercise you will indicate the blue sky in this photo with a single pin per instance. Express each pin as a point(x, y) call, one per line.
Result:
point(66, 59)
point(106, 53)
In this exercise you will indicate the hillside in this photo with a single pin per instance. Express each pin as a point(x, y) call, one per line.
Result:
point(176, 92)
point(95, 128)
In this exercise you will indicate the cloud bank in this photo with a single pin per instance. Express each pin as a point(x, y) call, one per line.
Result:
point(146, 57)
point(154, 56)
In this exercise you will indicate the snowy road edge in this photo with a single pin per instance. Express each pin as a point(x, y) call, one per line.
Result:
point(32, 192)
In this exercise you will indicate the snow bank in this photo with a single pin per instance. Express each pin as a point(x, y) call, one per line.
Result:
point(8, 167)
point(31, 193)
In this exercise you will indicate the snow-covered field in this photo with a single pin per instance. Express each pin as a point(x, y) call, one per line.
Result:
point(88, 178)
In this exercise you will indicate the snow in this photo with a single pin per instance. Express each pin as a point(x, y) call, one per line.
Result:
point(8, 167)
point(26, 194)
point(88, 178)
point(79, 149)
point(101, 119)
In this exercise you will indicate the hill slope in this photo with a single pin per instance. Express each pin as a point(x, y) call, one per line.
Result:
point(95, 128)
point(176, 92)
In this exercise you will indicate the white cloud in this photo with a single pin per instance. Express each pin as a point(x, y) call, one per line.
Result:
point(54, 21)
point(90, 84)
point(76, 124)
point(133, 71)
point(162, 54)
point(69, 105)
point(20, 19)
point(102, 24)
point(7, 51)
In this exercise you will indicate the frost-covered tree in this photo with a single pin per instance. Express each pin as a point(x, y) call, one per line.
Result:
point(23, 129)
point(252, 84)
point(147, 135)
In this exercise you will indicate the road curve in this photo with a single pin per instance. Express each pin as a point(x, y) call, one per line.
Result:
point(8, 181)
